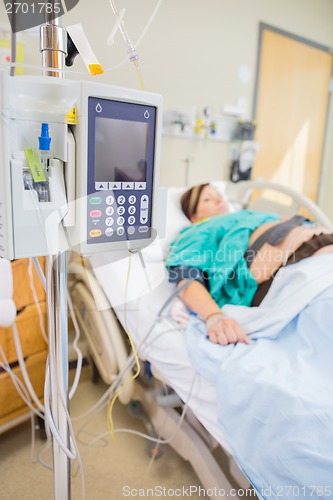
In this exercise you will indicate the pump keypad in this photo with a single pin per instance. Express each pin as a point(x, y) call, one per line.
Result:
point(117, 217)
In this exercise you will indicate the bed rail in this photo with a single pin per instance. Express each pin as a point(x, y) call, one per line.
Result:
point(245, 189)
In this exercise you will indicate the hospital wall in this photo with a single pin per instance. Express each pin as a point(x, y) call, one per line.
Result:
point(192, 54)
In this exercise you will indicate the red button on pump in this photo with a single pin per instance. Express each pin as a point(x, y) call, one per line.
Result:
point(94, 214)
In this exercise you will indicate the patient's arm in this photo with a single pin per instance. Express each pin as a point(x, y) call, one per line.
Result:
point(220, 329)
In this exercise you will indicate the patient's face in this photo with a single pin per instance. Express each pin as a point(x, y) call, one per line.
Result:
point(210, 203)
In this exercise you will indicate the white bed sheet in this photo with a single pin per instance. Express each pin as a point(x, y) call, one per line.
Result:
point(165, 348)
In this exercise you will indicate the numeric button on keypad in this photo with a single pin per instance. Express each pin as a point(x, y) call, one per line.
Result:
point(131, 219)
point(109, 210)
point(121, 200)
point(109, 200)
point(109, 221)
point(120, 221)
point(120, 210)
point(131, 210)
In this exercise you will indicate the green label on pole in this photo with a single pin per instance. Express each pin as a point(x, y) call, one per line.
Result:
point(35, 165)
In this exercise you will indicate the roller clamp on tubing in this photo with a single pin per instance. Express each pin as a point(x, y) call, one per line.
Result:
point(213, 318)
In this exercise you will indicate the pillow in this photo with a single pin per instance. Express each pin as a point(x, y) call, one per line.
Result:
point(177, 220)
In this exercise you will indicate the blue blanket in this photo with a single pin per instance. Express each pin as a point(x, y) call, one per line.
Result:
point(275, 396)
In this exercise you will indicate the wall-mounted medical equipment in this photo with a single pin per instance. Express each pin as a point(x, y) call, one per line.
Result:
point(243, 150)
point(93, 188)
point(199, 125)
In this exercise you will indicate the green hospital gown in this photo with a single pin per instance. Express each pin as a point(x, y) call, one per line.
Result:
point(217, 246)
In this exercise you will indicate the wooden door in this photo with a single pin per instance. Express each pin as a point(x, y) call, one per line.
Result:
point(291, 108)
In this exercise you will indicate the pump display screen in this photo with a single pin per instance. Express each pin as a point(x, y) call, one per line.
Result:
point(121, 141)
point(113, 161)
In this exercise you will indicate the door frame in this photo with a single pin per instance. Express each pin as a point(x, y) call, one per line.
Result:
point(264, 26)
point(274, 29)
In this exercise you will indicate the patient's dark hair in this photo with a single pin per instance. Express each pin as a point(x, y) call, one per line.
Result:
point(190, 199)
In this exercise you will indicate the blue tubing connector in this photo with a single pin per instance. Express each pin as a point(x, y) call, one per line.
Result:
point(44, 138)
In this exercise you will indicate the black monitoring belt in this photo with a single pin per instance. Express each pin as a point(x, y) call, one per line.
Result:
point(274, 235)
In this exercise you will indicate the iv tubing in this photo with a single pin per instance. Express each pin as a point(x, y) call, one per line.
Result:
point(69, 72)
point(133, 57)
point(152, 17)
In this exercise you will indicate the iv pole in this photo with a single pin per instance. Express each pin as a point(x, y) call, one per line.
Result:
point(53, 46)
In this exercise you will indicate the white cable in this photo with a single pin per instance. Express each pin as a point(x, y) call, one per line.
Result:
point(49, 422)
point(76, 348)
point(20, 388)
point(22, 391)
point(24, 394)
point(24, 369)
point(146, 436)
point(19, 385)
point(113, 388)
point(154, 455)
point(43, 450)
point(97, 407)
point(104, 443)
point(151, 19)
point(109, 393)
point(130, 361)
point(73, 452)
point(170, 438)
point(33, 439)
point(40, 272)
point(35, 296)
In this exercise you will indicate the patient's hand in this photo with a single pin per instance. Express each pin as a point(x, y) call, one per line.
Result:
point(222, 330)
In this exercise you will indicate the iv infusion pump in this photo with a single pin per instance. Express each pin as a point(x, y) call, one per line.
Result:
point(96, 187)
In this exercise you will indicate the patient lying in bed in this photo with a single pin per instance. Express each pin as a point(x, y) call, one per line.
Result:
point(233, 257)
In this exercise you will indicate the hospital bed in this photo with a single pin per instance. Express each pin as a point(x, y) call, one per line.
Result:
point(114, 293)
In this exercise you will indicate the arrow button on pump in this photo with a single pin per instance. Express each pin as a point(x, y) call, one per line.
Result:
point(99, 186)
point(144, 209)
point(144, 202)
